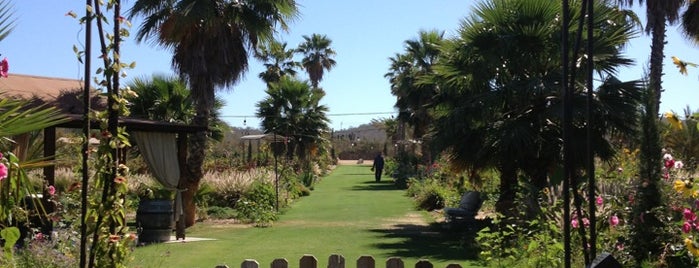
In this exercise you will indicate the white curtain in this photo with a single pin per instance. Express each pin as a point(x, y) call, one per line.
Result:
point(160, 153)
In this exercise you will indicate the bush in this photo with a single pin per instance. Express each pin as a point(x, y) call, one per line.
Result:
point(257, 205)
point(221, 213)
point(430, 194)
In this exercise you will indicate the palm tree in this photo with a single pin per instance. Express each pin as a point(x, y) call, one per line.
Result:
point(317, 56)
point(498, 95)
point(659, 14)
point(161, 98)
point(413, 94)
point(210, 40)
point(278, 61)
point(168, 99)
point(292, 109)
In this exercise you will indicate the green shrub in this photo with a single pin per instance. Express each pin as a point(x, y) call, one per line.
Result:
point(430, 194)
point(257, 205)
point(215, 212)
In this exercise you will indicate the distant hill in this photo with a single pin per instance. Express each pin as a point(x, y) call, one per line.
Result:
point(365, 132)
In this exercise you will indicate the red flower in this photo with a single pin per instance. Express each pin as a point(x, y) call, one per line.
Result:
point(4, 67)
point(114, 238)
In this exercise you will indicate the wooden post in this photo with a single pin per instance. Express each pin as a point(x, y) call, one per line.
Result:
point(280, 263)
point(336, 261)
point(248, 263)
point(423, 264)
point(395, 262)
point(366, 262)
point(308, 261)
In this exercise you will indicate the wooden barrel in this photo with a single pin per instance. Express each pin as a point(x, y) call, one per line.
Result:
point(154, 220)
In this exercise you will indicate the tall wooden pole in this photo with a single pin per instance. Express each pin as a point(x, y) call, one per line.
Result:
point(86, 133)
point(567, 126)
point(590, 153)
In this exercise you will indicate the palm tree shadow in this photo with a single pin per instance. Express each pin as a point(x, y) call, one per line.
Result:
point(433, 241)
point(376, 186)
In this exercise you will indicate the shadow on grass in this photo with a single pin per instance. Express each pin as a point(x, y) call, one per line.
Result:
point(430, 242)
point(375, 186)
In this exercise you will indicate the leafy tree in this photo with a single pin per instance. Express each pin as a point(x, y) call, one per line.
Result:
point(499, 102)
point(292, 108)
point(210, 40)
point(278, 61)
point(317, 56)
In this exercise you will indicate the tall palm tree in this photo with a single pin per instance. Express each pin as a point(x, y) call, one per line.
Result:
point(210, 40)
point(317, 56)
point(292, 108)
point(498, 96)
point(278, 61)
point(414, 94)
point(659, 14)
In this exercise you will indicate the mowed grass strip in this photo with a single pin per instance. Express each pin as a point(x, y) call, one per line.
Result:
point(347, 213)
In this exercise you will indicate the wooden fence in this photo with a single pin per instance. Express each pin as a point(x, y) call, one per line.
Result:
point(338, 261)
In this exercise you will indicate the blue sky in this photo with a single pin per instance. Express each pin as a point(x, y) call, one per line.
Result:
point(365, 34)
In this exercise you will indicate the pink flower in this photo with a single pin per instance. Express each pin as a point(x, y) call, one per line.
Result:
point(586, 222)
point(52, 190)
point(574, 223)
point(39, 236)
point(669, 163)
point(620, 246)
point(4, 67)
point(667, 157)
point(614, 220)
point(686, 227)
point(599, 201)
point(679, 164)
point(3, 171)
point(689, 215)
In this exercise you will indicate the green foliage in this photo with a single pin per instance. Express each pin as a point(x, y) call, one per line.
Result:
point(257, 205)
point(308, 179)
point(512, 242)
point(58, 252)
point(430, 193)
point(215, 212)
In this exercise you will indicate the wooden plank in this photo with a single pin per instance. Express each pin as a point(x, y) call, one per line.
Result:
point(248, 263)
point(366, 262)
point(336, 261)
point(308, 261)
point(394, 262)
point(423, 264)
point(280, 263)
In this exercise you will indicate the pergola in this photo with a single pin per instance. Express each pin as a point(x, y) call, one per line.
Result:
point(52, 91)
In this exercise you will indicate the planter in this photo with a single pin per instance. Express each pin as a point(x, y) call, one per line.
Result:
point(154, 220)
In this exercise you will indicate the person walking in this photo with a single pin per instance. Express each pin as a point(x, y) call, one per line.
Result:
point(377, 167)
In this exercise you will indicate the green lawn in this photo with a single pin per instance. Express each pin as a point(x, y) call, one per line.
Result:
point(347, 213)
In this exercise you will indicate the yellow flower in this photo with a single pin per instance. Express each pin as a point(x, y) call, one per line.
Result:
point(673, 120)
point(682, 65)
point(684, 187)
point(691, 247)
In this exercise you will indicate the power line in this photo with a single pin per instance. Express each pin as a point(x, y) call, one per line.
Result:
point(339, 114)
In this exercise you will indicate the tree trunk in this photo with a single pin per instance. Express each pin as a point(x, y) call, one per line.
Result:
point(647, 200)
point(508, 183)
point(189, 207)
point(203, 93)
